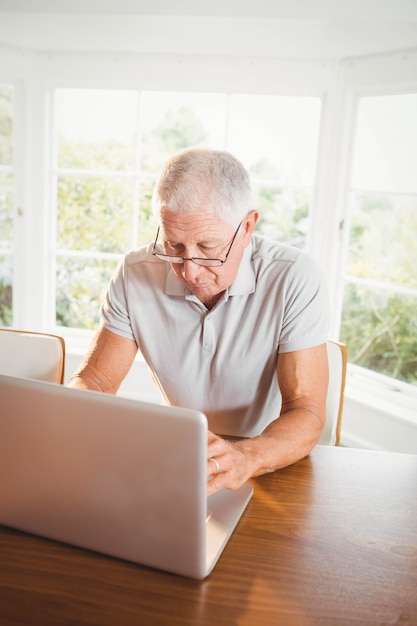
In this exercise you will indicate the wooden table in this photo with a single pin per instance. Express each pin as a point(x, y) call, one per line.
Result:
point(331, 540)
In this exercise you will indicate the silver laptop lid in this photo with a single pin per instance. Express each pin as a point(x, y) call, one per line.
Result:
point(114, 475)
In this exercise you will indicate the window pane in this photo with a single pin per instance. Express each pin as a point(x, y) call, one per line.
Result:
point(6, 210)
point(383, 241)
point(6, 292)
point(380, 297)
point(276, 138)
point(385, 156)
point(6, 125)
point(170, 122)
point(380, 330)
point(6, 205)
point(96, 129)
point(283, 213)
point(147, 224)
point(275, 134)
point(95, 214)
point(81, 285)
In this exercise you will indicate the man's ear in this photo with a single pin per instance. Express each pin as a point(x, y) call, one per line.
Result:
point(248, 226)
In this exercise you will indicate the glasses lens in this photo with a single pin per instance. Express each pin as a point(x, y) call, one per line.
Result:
point(168, 258)
point(198, 261)
point(208, 262)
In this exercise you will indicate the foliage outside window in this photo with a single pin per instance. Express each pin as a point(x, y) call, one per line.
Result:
point(6, 204)
point(379, 323)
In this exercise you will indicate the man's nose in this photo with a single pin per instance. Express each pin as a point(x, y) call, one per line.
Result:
point(190, 269)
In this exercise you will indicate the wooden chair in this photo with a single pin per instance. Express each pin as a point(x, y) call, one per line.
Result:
point(32, 355)
point(337, 354)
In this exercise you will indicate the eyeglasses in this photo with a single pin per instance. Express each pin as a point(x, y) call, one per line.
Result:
point(205, 262)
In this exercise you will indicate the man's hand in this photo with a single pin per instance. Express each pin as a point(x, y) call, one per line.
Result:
point(227, 465)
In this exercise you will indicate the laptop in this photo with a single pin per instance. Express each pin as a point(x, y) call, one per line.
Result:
point(114, 475)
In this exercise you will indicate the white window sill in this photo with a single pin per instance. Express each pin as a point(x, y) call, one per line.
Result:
point(379, 413)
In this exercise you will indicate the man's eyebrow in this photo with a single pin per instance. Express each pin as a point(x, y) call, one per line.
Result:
point(214, 241)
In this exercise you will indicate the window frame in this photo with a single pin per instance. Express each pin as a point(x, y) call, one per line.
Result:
point(382, 75)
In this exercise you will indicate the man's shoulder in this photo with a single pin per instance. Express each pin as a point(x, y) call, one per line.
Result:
point(282, 261)
point(143, 254)
point(270, 250)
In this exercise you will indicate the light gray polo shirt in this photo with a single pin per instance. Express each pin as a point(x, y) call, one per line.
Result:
point(221, 361)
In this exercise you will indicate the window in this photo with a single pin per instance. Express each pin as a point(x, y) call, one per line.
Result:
point(6, 204)
point(96, 193)
point(379, 321)
point(110, 146)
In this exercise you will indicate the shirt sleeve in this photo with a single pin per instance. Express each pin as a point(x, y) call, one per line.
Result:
point(307, 311)
point(114, 311)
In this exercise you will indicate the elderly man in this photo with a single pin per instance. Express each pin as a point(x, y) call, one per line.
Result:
point(228, 322)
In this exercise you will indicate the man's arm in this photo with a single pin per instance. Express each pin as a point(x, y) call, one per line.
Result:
point(303, 379)
point(106, 363)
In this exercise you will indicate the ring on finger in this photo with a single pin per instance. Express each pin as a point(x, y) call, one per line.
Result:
point(216, 463)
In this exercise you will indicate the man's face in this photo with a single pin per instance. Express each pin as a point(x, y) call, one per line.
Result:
point(203, 234)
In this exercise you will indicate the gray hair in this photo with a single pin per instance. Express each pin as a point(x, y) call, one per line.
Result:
point(201, 179)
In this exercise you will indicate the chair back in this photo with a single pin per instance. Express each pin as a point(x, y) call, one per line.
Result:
point(337, 355)
point(32, 355)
